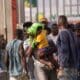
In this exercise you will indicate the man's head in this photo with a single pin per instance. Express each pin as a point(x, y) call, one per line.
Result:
point(19, 34)
point(54, 29)
point(62, 21)
point(45, 22)
point(43, 19)
point(26, 25)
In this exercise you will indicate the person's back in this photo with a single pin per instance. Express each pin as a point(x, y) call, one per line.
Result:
point(67, 51)
point(68, 47)
point(15, 67)
point(16, 57)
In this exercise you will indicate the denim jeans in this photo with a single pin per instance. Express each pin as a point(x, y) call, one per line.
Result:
point(69, 74)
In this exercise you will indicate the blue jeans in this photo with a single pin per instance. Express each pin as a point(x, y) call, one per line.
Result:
point(69, 74)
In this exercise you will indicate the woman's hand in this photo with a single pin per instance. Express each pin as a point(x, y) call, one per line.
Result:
point(60, 73)
point(49, 64)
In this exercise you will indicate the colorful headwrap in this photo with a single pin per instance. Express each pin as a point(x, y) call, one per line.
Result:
point(33, 29)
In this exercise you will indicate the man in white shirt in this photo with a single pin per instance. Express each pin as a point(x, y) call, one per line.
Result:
point(54, 33)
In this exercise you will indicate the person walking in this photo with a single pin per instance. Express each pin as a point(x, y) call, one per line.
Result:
point(53, 37)
point(16, 57)
point(43, 62)
point(54, 33)
point(26, 44)
point(67, 51)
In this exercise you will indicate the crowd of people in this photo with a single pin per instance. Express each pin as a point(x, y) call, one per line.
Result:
point(42, 51)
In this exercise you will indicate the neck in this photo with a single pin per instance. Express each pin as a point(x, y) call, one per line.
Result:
point(61, 27)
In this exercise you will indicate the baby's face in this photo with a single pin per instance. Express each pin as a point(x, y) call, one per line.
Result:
point(39, 31)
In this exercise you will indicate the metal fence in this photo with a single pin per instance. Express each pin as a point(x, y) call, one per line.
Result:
point(53, 8)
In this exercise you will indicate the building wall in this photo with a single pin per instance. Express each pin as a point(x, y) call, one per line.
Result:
point(21, 12)
point(6, 19)
point(1, 18)
point(11, 14)
point(14, 16)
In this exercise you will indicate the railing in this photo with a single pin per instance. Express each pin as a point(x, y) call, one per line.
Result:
point(52, 8)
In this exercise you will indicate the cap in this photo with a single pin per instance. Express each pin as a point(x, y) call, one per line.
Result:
point(43, 19)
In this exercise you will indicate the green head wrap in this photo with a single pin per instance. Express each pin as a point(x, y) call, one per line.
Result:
point(33, 29)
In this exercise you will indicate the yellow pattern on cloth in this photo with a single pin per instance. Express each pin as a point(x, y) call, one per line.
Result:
point(42, 40)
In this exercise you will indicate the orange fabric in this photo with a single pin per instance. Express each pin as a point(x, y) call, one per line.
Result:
point(41, 39)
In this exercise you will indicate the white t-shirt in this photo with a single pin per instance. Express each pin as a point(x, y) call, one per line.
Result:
point(53, 38)
point(26, 44)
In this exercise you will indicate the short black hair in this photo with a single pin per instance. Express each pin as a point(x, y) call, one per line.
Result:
point(19, 33)
point(27, 24)
point(54, 25)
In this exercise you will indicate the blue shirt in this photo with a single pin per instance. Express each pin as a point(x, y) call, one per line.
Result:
point(15, 67)
point(67, 51)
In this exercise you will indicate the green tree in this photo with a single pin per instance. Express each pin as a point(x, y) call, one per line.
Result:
point(32, 2)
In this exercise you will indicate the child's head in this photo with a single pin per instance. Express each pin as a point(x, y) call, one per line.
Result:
point(39, 30)
point(30, 32)
point(54, 29)
point(35, 29)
